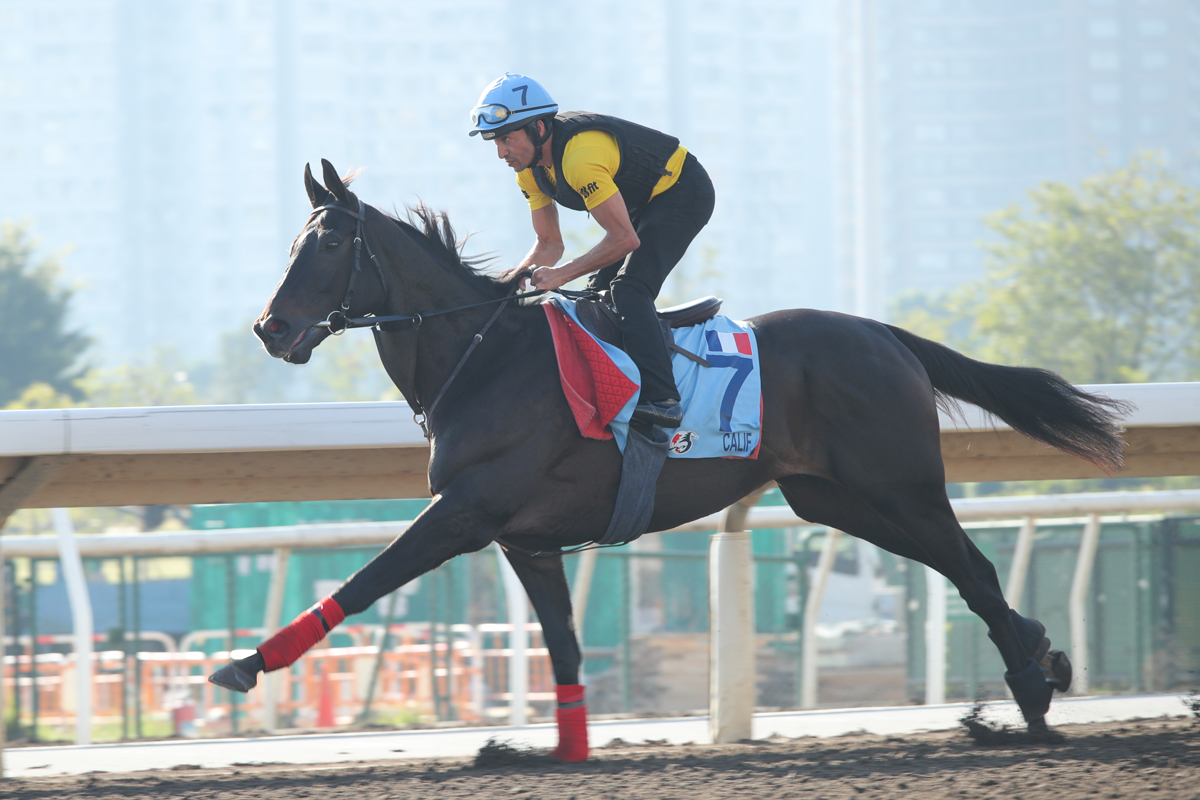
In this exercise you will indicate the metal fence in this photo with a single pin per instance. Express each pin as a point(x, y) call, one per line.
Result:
point(645, 635)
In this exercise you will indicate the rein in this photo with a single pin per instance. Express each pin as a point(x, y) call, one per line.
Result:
point(338, 322)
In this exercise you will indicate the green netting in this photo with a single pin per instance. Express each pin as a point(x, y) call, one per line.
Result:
point(243, 579)
point(1120, 595)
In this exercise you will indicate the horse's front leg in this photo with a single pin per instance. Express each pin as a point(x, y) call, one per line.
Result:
point(546, 584)
point(445, 529)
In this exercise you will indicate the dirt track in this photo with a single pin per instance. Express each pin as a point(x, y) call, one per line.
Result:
point(1156, 759)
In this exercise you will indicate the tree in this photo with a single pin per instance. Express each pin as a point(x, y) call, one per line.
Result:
point(154, 381)
point(38, 345)
point(244, 373)
point(42, 395)
point(348, 369)
point(1100, 283)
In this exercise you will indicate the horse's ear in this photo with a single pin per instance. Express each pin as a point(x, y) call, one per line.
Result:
point(318, 195)
point(333, 182)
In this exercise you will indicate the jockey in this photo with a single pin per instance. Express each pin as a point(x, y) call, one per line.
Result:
point(649, 194)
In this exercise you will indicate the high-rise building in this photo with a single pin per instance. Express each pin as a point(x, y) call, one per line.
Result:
point(951, 109)
point(164, 141)
point(856, 145)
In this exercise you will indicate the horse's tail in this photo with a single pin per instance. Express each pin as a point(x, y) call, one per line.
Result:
point(1036, 402)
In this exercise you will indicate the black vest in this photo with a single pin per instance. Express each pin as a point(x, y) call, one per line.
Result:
point(644, 156)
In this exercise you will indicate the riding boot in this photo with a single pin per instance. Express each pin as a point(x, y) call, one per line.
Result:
point(658, 403)
point(667, 414)
point(572, 723)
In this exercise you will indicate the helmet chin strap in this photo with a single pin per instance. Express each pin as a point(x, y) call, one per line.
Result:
point(538, 140)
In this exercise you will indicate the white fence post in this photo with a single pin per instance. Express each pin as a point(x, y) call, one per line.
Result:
point(733, 646)
point(274, 682)
point(582, 590)
point(3, 614)
point(1022, 552)
point(1020, 563)
point(81, 618)
point(732, 676)
point(935, 637)
point(812, 613)
point(518, 641)
point(1084, 565)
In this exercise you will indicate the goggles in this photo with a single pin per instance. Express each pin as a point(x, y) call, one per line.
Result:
point(496, 114)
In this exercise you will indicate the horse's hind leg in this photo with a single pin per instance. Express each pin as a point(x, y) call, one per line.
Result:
point(546, 584)
point(916, 521)
point(925, 514)
point(827, 503)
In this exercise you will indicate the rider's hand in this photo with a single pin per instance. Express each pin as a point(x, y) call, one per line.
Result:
point(547, 278)
point(527, 281)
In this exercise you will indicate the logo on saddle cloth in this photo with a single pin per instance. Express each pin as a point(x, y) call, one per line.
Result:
point(682, 441)
point(722, 403)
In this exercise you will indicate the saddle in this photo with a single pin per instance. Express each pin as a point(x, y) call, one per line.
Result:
point(598, 317)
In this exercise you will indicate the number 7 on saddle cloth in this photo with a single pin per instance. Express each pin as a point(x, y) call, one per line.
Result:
point(722, 404)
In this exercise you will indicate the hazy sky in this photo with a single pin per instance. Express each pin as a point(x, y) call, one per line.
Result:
point(855, 146)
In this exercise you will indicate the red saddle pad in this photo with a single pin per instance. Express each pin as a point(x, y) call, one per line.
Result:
point(595, 387)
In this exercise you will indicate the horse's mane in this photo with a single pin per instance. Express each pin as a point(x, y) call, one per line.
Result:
point(433, 231)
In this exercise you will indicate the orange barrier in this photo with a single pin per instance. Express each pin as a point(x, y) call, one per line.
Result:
point(464, 678)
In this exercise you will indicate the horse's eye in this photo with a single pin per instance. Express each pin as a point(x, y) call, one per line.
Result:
point(332, 244)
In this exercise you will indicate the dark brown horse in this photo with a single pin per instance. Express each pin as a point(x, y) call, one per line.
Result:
point(850, 434)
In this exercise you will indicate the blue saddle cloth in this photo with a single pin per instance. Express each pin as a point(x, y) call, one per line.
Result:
point(722, 403)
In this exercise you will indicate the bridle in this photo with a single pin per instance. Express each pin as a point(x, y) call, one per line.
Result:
point(360, 241)
point(338, 320)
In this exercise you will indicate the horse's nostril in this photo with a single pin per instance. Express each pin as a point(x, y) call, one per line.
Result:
point(271, 329)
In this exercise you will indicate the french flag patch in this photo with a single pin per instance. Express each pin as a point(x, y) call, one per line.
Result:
point(721, 342)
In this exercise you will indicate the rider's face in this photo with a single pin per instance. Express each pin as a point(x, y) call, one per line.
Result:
point(515, 148)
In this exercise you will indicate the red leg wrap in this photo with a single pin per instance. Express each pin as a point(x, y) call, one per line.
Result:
point(572, 723)
point(286, 647)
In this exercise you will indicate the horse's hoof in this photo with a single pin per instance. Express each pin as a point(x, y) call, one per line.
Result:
point(1031, 691)
point(1032, 634)
point(234, 678)
point(1038, 726)
point(1057, 669)
point(571, 751)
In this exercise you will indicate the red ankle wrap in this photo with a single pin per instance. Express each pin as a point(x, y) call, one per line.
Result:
point(286, 647)
point(572, 723)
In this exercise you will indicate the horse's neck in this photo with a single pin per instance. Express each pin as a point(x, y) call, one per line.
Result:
point(420, 361)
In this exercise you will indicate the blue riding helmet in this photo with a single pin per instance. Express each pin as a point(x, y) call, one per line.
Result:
point(510, 102)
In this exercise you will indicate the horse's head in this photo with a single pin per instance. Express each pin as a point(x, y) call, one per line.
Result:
point(319, 271)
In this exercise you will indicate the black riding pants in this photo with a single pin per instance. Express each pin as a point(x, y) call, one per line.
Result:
point(666, 226)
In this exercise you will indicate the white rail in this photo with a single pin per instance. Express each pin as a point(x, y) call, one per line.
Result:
point(317, 426)
point(208, 429)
